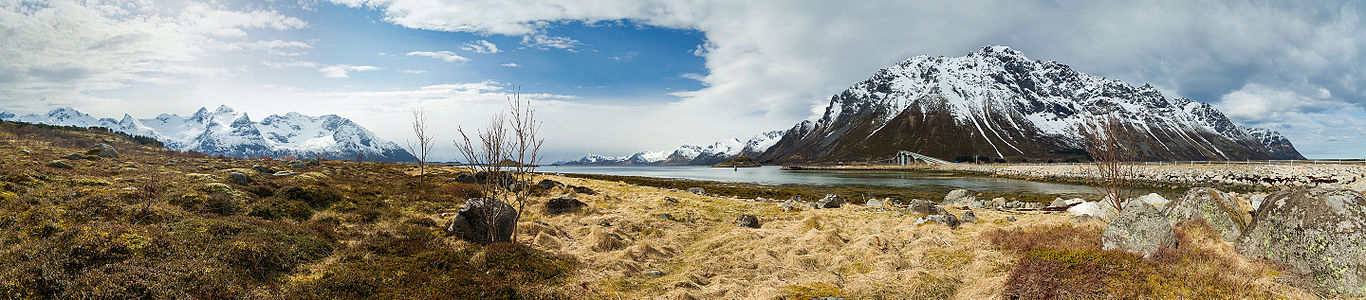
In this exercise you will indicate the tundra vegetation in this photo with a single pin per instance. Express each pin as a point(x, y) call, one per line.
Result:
point(153, 223)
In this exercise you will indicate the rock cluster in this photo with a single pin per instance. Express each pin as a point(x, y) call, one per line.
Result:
point(1139, 228)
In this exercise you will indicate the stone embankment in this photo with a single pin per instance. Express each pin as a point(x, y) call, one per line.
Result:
point(1270, 176)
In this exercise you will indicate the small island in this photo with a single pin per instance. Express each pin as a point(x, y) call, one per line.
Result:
point(738, 162)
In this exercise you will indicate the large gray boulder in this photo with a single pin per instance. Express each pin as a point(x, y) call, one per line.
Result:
point(747, 221)
point(958, 197)
point(103, 150)
point(1319, 234)
point(563, 205)
point(239, 178)
point(1139, 228)
point(924, 207)
point(830, 201)
point(472, 223)
point(1220, 210)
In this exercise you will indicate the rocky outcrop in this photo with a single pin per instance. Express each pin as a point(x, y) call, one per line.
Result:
point(1319, 234)
point(1139, 228)
point(747, 221)
point(563, 205)
point(924, 207)
point(1220, 210)
point(472, 225)
point(830, 201)
point(103, 150)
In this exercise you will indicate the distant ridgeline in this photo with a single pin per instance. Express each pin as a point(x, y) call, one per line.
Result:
point(230, 133)
point(997, 105)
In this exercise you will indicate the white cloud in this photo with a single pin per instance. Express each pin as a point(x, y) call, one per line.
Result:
point(329, 71)
point(414, 71)
point(446, 56)
point(788, 57)
point(543, 41)
point(63, 51)
point(511, 65)
point(481, 46)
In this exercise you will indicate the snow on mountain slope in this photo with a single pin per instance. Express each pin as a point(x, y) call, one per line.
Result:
point(225, 131)
point(997, 102)
point(689, 154)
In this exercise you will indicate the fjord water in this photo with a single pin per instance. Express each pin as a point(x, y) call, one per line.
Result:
point(927, 181)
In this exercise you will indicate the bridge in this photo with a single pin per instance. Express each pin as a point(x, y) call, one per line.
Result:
point(904, 157)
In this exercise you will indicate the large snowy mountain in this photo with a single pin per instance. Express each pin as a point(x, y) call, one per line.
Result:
point(998, 103)
point(689, 154)
point(225, 131)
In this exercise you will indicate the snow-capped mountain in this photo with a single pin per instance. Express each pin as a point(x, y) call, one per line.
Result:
point(996, 102)
point(689, 154)
point(225, 131)
point(1274, 141)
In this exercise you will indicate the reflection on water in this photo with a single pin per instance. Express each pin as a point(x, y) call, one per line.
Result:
point(929, 181)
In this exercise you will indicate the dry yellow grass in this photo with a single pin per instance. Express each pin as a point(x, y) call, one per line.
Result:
point(853, 251)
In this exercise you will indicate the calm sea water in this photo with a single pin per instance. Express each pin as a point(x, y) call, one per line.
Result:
point(930, 181)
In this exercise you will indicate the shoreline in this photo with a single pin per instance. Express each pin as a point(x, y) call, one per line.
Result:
point(1243, 178)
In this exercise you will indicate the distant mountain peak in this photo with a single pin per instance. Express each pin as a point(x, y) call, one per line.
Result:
point(688, 154)
point(225, 131)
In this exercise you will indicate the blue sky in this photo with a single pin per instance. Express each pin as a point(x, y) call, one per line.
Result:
point(616, 76)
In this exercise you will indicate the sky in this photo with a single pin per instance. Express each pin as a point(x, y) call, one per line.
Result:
point(616, 77)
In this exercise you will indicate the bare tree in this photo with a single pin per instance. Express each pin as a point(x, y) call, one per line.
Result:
point(425, 141)
point(1112, 159)
point(507, 151)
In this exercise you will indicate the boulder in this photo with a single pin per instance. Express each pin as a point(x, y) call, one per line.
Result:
point(1085, 209)
point(58, 164)
point(239, 178)
point(263, 169)
point(957, 196)
point(1220, 210)
point(285, 173)
point(968, 217)
point(924, 207)
point(1139, 228)
point(77, 156)
point(670, 200)
point(747, 221)
point(583, 190)
point(697, 190)
point(545, 183)
point(563, 205)
point(1319, 234)
point(997, 202)
point(830, 201)
point(103, 150)
point(789, 205)
point(472, 223)
point(1153, 199)
point(873, 203)
point(1256, 201)
point(299, 166)
point(945, 219)
point(1058, 202)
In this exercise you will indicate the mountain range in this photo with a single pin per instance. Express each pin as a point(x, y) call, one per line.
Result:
point(227, 132)
point(689, 154)
point(998, 103)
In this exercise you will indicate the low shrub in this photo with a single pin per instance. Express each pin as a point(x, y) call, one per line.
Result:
point(275, 208)
point(315, 196)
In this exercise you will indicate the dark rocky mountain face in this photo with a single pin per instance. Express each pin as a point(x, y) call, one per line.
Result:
point(998, 103)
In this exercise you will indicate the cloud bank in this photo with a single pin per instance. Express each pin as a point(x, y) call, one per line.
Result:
point(1284, 65)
